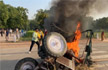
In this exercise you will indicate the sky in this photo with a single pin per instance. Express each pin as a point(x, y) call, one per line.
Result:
point(34, 5)
point(31, 5)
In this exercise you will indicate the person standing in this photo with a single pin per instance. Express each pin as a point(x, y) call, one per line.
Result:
point(45, 32)
point(35, 39)
point(102, 36)
point(17, 33)
point(22, 32)
point(7, 34)
point(10, 31)
point(41, 36)
point(2, 31)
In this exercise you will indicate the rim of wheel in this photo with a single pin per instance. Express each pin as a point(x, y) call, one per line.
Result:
point(27, 66)
point(56, 44)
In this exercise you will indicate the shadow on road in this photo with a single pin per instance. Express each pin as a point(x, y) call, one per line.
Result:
point(16, 53)
point(8, 64)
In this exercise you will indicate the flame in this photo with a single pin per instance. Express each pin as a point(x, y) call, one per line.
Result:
point(74, 45)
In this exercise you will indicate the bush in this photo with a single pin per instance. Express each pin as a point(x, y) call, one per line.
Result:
point(27, 36)
point(99, 33)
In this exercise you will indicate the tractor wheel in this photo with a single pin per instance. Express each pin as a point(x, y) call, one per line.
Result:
point(55, 44)
point(26, 64)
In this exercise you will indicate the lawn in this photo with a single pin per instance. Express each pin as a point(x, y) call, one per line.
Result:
point(99, 33)
point(27, 36)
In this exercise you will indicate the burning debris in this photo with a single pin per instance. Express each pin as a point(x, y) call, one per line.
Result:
point(74, 44)
point(66, 18)
point(65, 14)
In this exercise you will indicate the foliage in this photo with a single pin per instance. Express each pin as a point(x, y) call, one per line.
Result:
point(39, 19)
point(33, 24)
point(40, 16)
point(99, 33)
point(101, 23)
point(3, 15)
point(27, 36)
point(12, 17)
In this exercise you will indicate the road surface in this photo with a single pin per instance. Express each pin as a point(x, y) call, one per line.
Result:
point(11, 53)
point(99, 54)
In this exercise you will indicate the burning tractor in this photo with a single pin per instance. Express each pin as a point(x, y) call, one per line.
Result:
point(57, 54)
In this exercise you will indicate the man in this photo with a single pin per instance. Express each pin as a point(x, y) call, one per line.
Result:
point(2, 32)
point(35, 39)
point(102, 36)
point(10, 31)
point(41, 34)
point(7, 34)
point(17, 33)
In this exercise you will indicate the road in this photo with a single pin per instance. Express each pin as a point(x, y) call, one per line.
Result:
point(11, 53)
point(99, 54)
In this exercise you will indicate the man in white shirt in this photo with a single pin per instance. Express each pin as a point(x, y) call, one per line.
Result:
point(35, 39)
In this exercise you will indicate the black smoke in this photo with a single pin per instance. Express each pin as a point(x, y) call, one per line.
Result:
point(64, 15)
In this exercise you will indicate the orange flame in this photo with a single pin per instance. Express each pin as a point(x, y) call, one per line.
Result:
point(74, 45)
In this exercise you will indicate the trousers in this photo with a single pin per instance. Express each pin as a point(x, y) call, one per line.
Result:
point(32, 44)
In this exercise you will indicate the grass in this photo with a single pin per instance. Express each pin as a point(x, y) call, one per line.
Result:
point(99, 33)
point(27, 36)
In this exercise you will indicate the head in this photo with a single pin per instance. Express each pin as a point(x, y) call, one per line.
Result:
point(45, 29)
point(36, 29)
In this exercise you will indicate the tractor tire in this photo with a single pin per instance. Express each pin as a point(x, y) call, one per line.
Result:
point(55, 44)
point(26, 64)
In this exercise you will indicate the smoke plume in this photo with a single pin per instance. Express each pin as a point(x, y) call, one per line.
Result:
point(99, 9)
point(64, 15)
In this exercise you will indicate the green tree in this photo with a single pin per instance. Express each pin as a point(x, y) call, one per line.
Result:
point(17, 17)
point(3, 15)
point(101, 23)
point(33, 24)
point(40, 17)
point(13, 17)
point(23, 18)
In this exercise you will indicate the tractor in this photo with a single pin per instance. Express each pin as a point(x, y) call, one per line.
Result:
point(54, 54)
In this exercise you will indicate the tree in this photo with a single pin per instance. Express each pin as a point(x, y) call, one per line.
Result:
point(3, 15)
point(13, 17)
point(17, 17)
point(33, 24)
point(40, 17)
point(23, 18)
point(101, 23)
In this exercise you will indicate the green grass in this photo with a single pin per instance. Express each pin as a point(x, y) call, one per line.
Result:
point(27, 36)
point(99, 33)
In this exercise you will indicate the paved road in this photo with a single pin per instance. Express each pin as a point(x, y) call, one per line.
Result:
point(99, 54)
point(11, 53)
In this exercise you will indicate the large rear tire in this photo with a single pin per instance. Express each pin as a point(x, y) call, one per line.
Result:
point(26, 64)
point(55, 44)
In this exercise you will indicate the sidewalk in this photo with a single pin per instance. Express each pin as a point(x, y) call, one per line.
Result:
point(11, 38)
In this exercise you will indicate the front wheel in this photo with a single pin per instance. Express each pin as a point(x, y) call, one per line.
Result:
point(26, 64)
point(55, 44)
